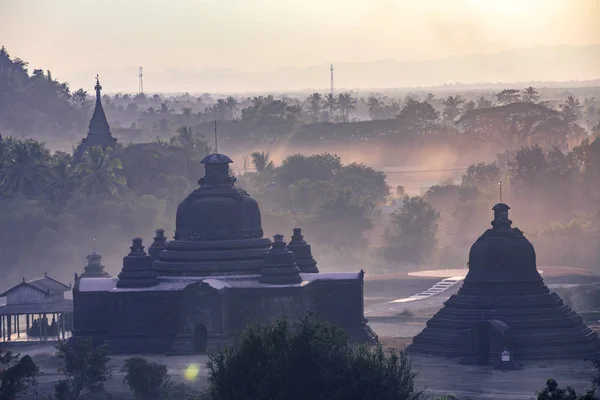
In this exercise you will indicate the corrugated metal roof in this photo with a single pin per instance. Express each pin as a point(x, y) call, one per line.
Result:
point(45, 284)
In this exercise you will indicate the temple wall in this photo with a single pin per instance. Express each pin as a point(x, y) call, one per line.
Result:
point(248, 305)
point(91, 314)
point(201, 304)
point(151, 321)
point(338, 301)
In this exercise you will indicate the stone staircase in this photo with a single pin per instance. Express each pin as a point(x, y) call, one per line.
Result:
point(438, 288)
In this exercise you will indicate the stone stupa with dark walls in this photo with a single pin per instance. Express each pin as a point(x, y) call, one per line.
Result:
point(99, 132)
point(218, 274)
point(504, 306)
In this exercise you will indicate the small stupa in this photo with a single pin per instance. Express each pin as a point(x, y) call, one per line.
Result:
point(280, 267)
point(137, 268)
point(94, 267)
point(159, 244)
point(302, 252)
point(504, 309)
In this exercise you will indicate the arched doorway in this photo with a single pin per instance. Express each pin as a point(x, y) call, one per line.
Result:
point(200, 338)
point(485, 341)
point(483, 345)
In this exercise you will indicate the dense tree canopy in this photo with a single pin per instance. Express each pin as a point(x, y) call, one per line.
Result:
point(267, 362)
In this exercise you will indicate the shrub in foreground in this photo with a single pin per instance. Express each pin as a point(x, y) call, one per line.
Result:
point(147, 380)
point(307, 360)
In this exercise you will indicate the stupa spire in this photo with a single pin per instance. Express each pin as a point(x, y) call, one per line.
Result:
point(98, 123)
point(280, 265)
point(94, 267)
point(137, 268)
point(302, 252)
point(99, 131)
point(501, 220)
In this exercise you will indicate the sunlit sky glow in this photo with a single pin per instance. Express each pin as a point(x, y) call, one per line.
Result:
point(68, 36)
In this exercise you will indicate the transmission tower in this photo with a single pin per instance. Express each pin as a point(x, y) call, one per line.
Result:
point(141, 88)
point(331, 70)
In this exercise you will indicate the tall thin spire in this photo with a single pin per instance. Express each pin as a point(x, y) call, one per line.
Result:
point(99, 131)
point(98, 123)
point(141, 87)
point(331, 71)
point(216, 142)
point(98, 88)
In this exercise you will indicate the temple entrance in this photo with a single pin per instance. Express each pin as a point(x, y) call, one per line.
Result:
point(200, 338)
point(483, 349)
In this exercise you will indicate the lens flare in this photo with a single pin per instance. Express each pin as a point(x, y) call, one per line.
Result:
point(191, 372)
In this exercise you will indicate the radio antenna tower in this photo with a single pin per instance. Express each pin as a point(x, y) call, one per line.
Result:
point(331, 70)
point(141, 88)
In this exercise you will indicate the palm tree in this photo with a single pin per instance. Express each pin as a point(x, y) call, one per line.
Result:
point(222, 109)
point(232, 105)
point(261, 162)
point(99, 172)
point(375, 104)
point(484, 102)
point(25, 167)
point(164, 109)
point(530, 95)
point(194, 147)
point(330, 103)
point(571, 110)
point(452, 109)
point(347, 105)
point(314, 106)
point(186, 113)
point(469, 106)
point(429, 98)
point(61, 178)
point(573, 103)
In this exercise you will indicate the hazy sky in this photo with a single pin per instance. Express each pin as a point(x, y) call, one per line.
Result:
point(67, 36)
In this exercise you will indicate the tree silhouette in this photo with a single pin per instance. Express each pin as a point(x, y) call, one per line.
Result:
point(330, 103)
point(315, 106)
point(530, 95)
point(99, 172)
point(511, 125)
point(508, 96)
point(232, 105)
point(484, 102)
point(261, 161)
point(25, 167)
point(347, 104)
point(571, 110)
point(375, 105)
point(452, 107)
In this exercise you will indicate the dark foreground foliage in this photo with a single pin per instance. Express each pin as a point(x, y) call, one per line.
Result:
point(17, 375)
point(85, 367)
point(146, 379)
point(553, 392)
point(308, 360)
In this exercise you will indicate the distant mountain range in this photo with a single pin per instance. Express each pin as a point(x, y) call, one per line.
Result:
point(537, 64)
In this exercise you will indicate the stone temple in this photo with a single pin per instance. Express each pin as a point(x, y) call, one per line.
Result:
point(192, 294)
point(504, 306)
point(99, 131)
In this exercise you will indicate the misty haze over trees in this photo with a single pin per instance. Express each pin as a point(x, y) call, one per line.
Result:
point(314, 161)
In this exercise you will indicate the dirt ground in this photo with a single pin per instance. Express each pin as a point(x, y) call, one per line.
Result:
point(437, 376)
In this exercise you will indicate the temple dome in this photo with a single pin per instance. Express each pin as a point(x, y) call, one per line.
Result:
point(502, 254)
point(218, 228)
point(218, 210)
